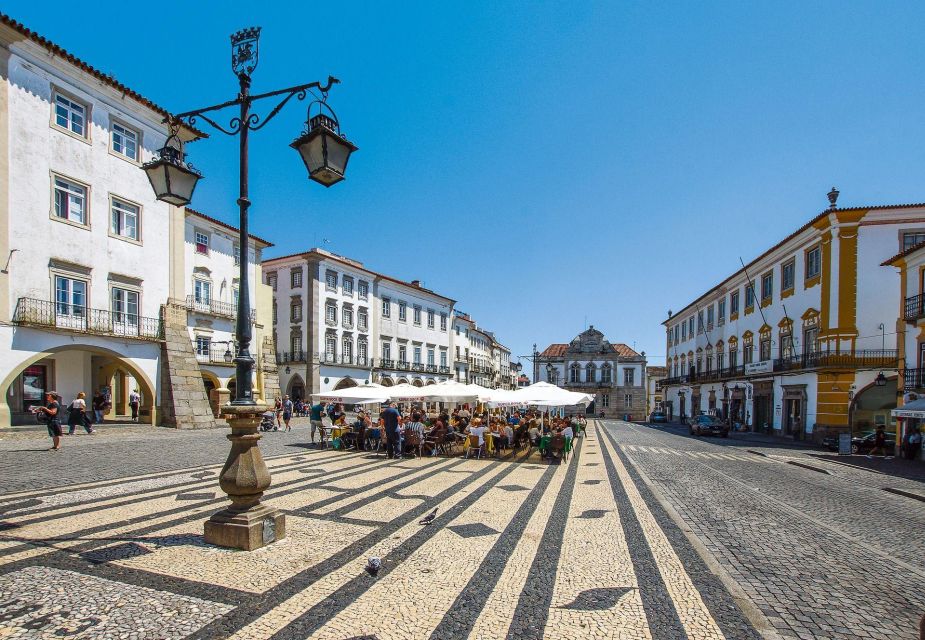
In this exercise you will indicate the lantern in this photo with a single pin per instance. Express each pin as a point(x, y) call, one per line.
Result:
point(172, 179)
point(324, 150)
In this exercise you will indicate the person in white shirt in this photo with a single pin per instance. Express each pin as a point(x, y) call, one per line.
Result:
point(134, 401)
point(567, 432)
point(476, 429)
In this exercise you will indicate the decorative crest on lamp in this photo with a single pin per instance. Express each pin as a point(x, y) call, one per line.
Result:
point(244, 51)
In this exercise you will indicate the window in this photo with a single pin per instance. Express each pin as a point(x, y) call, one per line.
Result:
point(235, 296)
point(786, 346)
point(787, 271)
point(362, 351)
point(202, 242)
point(348, 286)
point(236, 252)
point(443, 360)
point(431, 357)
point(70, 296)
point(417, 314)
point(676, 334)
point(295, 312)
point(699, 322)
point(330, 314)
point(733, 358)
point(271, 280)
point(348, 318)
point(275, 312)
point(721, 311)
point(606, 374)
point(386, 308)
point(402, 311)
point(346, 353)
point(605, 400)
point(813, 262)
point(417, 355)
point(734, 303)
point(386, 350)
point(628, 377)
point(363, 289)
point(403, 353)
point(710, 317)
point(764, 350)
point(330, 279)
point(590, 374)
point(203, 346)
point(124, 306)
point(811, 340)
point(70, 201)
point(574, 374)
point(124, 141)
point(430, 318)
point(720, 360)
point(628, 400)
point(684, 331)
point(362, 320)
point(767, 286)
point(202, 292)
point(442, 322)
point(330, 347)
point(295, 343)
point(749, 296)
point(124, 219)
point(913, 238)
point(295, 278)
point(690, 326)
point(71, 115)
point(749, 353)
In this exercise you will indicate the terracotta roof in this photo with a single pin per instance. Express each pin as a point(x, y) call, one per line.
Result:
point(806, 226)
point(356, 265)
point(557, 350)
point(199, 214)
point(59, 51)
point(902, 254)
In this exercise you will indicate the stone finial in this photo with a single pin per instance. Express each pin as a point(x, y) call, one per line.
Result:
point(833, 197)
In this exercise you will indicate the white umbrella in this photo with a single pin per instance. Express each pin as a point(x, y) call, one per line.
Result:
point(452, 391)
point(406, 392)
point(364, 394)
point(543, 394)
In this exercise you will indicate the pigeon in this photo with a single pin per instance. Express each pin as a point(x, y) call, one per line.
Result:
point(429, 517)
point(373, 564)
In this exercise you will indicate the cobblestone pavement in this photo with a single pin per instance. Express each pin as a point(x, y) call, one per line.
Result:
point(821, 549)
point(104, 540)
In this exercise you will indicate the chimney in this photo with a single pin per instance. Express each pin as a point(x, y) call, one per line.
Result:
point(416, 283)
point(833, 197)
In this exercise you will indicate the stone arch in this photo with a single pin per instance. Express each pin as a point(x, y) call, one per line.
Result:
point(146, 386)
point(402, 381)
point(295, 388)
point(385, 381)
point(417, 382)
point(345, 383)
point(430, 382)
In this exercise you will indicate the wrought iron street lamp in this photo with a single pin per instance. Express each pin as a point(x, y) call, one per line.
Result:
point(880, 380)
point(247, 524)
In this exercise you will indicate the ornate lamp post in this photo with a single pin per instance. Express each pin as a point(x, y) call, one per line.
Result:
point(248, 524)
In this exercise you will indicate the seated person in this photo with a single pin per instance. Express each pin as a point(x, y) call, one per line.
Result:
point(567, 431)
point(534, 432)
point(476, 429)
point(509, 435)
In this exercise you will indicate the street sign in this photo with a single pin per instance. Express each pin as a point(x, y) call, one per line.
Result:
point(844, 444)
point(758, 367)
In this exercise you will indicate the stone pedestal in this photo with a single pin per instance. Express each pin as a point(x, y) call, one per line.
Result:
point(246, 524)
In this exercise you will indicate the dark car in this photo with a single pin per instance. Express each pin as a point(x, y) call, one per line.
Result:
point(709, 426)
point(658, 416)
point(861, 443)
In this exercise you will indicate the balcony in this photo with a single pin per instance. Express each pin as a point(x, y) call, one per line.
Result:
point(914, 308)
point(212, 307)
point(215, 355)
point(431, 368)
point(417, 366)
point(865, 359)
point(444, 370)
point(67, 317)
point(386, 363)
point(291, 356)
point(913, 379)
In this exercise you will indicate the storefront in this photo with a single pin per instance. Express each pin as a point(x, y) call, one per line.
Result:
point(793, 420)
point(28, 390)
point(910, 419)
point(763, 401)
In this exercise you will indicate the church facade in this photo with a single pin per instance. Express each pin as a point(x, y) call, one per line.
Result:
point(613, 373)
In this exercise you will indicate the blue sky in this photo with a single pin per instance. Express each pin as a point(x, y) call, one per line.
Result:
point(546, 164)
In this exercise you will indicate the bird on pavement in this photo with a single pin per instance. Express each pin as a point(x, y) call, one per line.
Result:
point(373, 564)
point(429, 517)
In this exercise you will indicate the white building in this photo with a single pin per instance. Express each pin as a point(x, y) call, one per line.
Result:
point(79, 230)
point(339, 324)
point(794, 346)
point(478, 358)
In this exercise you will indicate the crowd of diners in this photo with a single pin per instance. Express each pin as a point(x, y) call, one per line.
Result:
point(413, 430)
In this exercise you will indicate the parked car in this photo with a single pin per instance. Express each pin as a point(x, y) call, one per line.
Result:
point(709, 426)
point(861, 443)
point(658, 416)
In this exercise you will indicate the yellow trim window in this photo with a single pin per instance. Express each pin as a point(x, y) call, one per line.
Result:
point(813, 268)
point(767, 287)
point(787, 277)
point(749, 298)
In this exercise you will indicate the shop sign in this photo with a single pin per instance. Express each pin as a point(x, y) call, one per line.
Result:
point(753, 368)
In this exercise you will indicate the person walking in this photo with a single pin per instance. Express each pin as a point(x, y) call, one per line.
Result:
point(914, 443)
point(51, 412)
point(287, 412)
point(315, 414)
point(391, 421)
point(134, 401)
point(77, 415)
point(879, 443)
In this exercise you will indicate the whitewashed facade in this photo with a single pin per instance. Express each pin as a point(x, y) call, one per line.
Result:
point(79, 231)
point(799, 358)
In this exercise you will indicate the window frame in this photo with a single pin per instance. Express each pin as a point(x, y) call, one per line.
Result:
point(87, 114)
point(767, 282)
point(295, 311)
point(811, 279)
point(131, 291)
point(272, 279)
point(386, 307)
point(115, 122)
point(327, 280)
point(786, 290)
point(113, 200)
point(344, 281)
point(362, 290)
point(416, 315)
point(197, 244)
point(402, 311)
point(295, 274)
point(53, 214)
point(734, 304)
point(431, 319)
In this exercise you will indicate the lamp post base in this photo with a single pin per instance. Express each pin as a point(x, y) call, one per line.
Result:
point(246, 524)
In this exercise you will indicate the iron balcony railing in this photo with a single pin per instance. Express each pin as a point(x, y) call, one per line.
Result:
point(913, 379)
point(214, 307)
point(914, 308)
point(386, 363)
point(431, 368)
point(444, 369)
point(283, 357)
point(69, 317)
point(868, 358)
point(216, 355)
point(417, 366)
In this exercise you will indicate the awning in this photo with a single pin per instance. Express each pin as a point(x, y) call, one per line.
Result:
point(914, 409)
